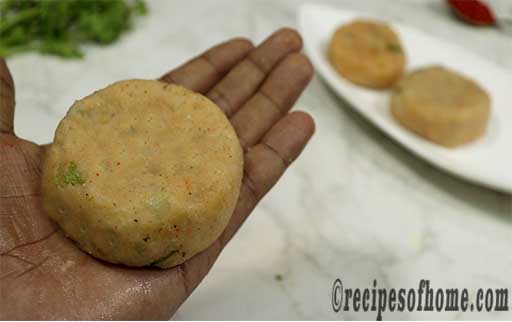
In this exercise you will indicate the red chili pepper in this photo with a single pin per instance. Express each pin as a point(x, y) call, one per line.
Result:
point(473, 11)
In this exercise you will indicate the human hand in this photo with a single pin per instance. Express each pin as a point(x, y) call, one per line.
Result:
point(43, 275)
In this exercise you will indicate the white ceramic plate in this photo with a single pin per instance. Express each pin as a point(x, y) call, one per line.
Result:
point(487, 161)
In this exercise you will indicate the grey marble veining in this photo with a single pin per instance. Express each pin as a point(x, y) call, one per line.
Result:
point(356, 205)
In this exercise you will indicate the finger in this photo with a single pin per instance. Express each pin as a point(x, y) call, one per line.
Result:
point(274, 99)
point(267, 161)
point(245, 78)
point(202, 72)
point(264, 165)
point(6, 99)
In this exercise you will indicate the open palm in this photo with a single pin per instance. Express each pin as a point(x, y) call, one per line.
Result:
point(43, 275)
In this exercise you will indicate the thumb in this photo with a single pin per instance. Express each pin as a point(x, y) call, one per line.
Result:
point(6, 99)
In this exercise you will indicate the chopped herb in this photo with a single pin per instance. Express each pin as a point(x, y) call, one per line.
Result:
point(72, 176)
point(394, 47)
point(278, 277)
point(68, 175)
point(59, 27)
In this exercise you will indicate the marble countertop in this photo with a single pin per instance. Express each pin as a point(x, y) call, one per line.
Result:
point(356, 205)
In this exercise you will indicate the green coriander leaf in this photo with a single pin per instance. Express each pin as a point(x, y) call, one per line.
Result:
point(394, 47)
point(60, 27)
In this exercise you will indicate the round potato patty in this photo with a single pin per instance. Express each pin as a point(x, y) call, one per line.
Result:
point(143, 173)
point(441, 105)
point(367, 53)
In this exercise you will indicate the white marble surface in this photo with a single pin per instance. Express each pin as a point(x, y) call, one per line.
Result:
point(356, 205)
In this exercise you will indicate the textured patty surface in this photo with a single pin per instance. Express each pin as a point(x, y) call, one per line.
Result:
point(143, 173)
point(367, 53)
point(441, 105)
